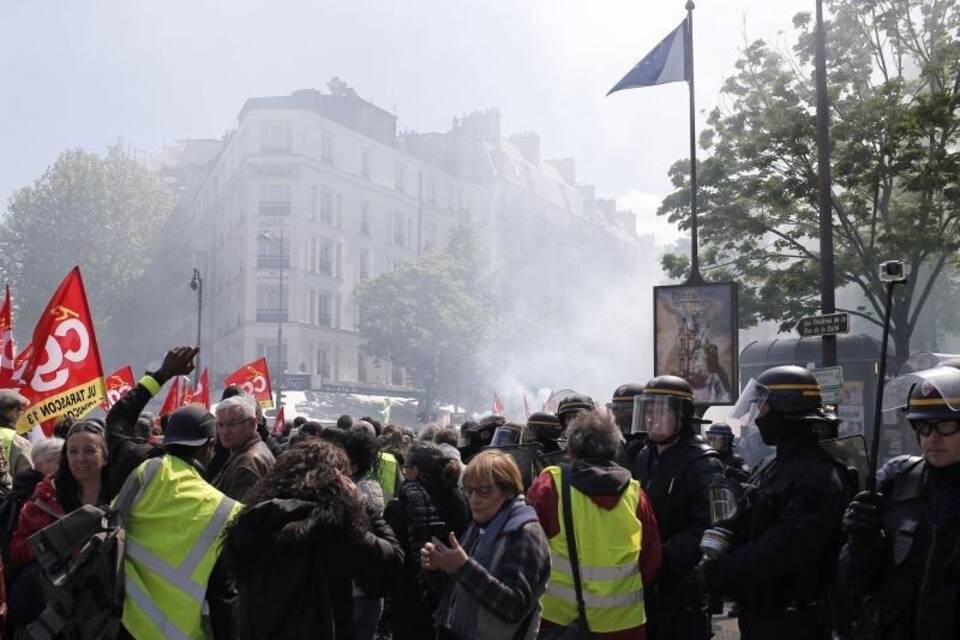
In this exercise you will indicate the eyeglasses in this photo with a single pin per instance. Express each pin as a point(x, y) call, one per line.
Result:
point(481, 492)
point(234, 424)
point(942, 427)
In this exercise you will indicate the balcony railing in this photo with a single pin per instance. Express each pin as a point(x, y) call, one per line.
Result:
point(273, 262)
point(271, 315)
point(275, 208)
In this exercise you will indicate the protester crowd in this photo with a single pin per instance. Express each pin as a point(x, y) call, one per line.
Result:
point(620, 522)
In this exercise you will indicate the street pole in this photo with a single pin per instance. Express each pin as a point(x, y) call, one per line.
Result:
point(827, 284)
point(280, 378)
point(695, 277)
point(881, 376)
point(197, 285)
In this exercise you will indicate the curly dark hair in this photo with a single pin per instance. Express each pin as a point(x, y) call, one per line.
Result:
point(314, 471)
point(364, 452)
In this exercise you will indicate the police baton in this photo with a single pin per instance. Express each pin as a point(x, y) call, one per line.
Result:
point(892, 273)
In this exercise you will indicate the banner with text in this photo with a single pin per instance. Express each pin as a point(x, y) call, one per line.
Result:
point(63, 375)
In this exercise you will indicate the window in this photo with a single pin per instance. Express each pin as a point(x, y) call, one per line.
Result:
point(272, 304)
point(338, 219)
point(431, 190)
point(313, 308)
point(271, 254)
point(361, 368)
point(399, 229)
point(276, 137)
point(338, 300)
point(275, 199)
point(326, 146)
point(365, 163)
point(365, 218)
point(325, 309)
point(399, 177)
point(429, 235)
point(326, 205)
point(313, 202)
point(323, 363)
point(363, 264)
point(338, 263)
point(325, 265)
point(313, 255)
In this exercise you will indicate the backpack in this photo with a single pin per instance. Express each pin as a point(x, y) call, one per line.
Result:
point(81, 570)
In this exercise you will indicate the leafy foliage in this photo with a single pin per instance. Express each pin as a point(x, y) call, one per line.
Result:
point(104, 213)
point(894, 84)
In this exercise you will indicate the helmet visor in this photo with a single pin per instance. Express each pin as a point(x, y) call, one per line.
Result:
point(718, 441)
point(751, 399)
point(935, 388)
point(505, 436)
point(658, 416)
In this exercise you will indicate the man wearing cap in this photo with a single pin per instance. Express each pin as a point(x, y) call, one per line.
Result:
point(126, 451)
point(16, 448)
point(173, 531)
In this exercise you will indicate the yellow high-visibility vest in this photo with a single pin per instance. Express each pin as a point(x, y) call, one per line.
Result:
point(608, 547)
point(388, 475)
point(172, 542)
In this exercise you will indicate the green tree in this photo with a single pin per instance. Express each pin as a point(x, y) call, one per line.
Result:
point(103, 213)
point(894, 84)
point(429, 315)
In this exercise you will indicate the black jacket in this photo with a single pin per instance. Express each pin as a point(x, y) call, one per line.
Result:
point(126, 453)
point(910, 578)
point(294, 562)
point(785, 549)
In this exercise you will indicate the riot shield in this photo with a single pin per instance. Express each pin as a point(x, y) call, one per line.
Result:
point(851, 452)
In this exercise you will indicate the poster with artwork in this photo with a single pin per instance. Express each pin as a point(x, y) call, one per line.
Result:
point(695, 337)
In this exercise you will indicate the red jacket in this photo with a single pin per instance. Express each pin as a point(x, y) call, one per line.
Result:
point(33, 519)
point(545, 499)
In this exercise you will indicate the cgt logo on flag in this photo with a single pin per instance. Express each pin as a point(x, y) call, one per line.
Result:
point(62, 375)
point(117, 384)
point(253, 379)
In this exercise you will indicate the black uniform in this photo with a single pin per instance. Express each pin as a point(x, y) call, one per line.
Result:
point(733, 461)
point(784, 553)
point(910, 578)
point(677, 482)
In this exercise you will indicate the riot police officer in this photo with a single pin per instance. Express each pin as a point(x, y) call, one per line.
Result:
point(571, 406)
point(785, 543)
point(622, 409)
point(474, 436)
point(675, 469)
point(720, 437)
point(903, 553)
point(544, 428)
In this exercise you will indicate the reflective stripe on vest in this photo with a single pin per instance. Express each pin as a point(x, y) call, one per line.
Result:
point(8, 435)
point(172, 541)
point(388, 474)
point(608, 546)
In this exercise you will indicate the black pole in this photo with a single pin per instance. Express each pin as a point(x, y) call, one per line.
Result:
point(280, 373)
point(695, 277)
point(881, 374)
point(199, 320)
point(827, 285)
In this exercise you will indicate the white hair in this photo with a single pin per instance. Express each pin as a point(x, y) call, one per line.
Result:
point(46, 448)
point(243, 402)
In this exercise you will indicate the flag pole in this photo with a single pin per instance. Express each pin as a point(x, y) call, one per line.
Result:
point(695, 277)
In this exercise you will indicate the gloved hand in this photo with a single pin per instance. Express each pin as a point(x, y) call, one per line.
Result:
point(863, 519)
point(177, 362)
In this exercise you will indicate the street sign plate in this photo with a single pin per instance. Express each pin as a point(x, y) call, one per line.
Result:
point(830, 380)
point(831, 395)
point(826, 325)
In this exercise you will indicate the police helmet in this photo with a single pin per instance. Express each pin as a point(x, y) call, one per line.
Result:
point(719, 436)
point(506, 435)
point(622, 404)
point(572, 405)
point(935, 395)
point(542, 426)
point(788, 391)
point(665, 406)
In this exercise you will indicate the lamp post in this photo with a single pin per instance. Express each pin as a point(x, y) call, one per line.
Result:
point(827, 282)
point(278, 381)
point(197, 285)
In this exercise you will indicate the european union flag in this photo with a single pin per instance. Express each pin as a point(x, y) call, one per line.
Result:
point(666, 63)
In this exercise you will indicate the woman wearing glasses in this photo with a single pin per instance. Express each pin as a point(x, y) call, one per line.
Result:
point(903, 553)
point(501, 566)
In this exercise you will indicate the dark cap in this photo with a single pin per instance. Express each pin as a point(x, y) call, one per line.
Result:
point(190, 426)
point(10, 398)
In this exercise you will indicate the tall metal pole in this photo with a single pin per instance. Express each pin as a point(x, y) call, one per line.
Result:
point(280, 373)
point(827, 284)
point(878, 409)
point(197, 285)
point(695, 277)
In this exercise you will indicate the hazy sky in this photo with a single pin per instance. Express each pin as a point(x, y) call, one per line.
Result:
point(85, 73)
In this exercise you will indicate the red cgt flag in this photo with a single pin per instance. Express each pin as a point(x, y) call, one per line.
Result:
point(497, 405)
point(254, 380)
point(7, 348)
point(278, 423)
point(180, 389)
point(117, 384)
point(63, 375)
point(200, 394)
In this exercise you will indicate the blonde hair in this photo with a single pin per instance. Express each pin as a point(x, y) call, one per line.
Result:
point(497, 468)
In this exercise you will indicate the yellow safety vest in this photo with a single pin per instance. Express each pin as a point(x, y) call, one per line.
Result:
point(7, 435)
point(388, 475)
point(172, 542)
point(608, 547)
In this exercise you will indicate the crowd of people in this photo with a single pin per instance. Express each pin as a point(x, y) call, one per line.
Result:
point(616, 522)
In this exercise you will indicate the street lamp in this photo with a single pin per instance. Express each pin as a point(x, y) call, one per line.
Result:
point(197, 285)
point(278, 382)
